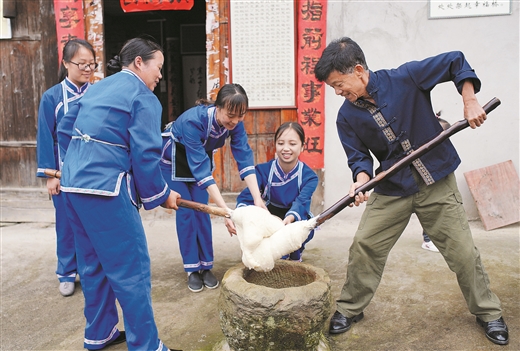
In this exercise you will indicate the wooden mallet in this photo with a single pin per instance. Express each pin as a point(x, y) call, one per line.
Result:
point(197, 206)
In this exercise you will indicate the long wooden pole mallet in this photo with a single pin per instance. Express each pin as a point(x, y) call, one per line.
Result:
point(407, 160)
point(197, 206)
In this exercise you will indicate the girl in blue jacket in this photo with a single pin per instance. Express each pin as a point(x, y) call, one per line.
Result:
point(286, 183)
point(112, 139)
point(76, 69)
point(187, 165)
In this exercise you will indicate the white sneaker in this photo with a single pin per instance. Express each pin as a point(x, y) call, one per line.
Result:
point(429, 246)
point(67, 288)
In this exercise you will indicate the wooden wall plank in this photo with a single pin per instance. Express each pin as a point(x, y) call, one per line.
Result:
point(217, 173)
point(6, 91)
point(48, 67)
point(495, 190)
point(266, 121)
point(249, 122)
point(265, 148)
point(18, 168)
point(19, 24)
point(24, 80)
point(34, 19)
point(227, 170)
point(28, 67)
point(289, 115)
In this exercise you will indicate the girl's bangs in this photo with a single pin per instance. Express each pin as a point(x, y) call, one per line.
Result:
point(237, 104)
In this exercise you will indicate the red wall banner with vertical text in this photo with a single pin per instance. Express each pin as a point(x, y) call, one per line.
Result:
point(69, 22)
point(312, 16)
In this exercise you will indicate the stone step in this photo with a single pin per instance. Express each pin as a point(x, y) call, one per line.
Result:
point(34, 205)
point(25, 205)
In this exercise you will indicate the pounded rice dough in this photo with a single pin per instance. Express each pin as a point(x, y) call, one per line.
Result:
point(264, 238)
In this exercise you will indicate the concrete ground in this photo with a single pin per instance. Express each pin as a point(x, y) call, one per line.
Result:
point(418, 305)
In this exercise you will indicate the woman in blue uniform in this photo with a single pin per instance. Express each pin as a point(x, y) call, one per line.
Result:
point(286, 183)
point(112, 139)
point(187, 165)
point(76, 68)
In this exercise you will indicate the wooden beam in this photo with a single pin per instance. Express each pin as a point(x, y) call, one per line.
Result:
point(94, 29)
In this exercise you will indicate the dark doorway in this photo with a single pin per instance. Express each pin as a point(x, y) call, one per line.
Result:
point(183, 37)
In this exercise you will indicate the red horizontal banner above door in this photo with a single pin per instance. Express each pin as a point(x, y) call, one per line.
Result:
point(155, 5)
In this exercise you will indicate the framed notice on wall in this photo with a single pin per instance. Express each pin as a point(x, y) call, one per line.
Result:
point(262, 51)
point(454, 9)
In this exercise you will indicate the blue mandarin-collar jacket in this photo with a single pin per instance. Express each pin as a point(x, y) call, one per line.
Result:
point(115, 135)
point(292, 191)
point(403, 109)
point(198, 131)
point(54, 104)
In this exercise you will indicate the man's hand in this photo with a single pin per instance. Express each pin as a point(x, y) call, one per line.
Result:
point(359, 198)
point(473, 112)
point(171, 201)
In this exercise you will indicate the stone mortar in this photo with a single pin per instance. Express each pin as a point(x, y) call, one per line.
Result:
point(284, 309)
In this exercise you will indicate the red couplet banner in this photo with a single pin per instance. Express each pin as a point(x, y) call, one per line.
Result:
point(312, 26)
point(155, 5)
point(69, 22)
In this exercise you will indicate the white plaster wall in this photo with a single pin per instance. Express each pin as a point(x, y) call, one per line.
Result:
point(393, 32)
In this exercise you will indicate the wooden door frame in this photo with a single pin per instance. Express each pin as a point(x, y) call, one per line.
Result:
point(218, 73)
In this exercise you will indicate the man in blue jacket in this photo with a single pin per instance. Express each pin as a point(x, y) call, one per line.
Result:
point(388, 113)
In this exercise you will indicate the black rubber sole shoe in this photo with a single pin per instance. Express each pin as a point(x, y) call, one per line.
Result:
point(210, 281)
point(195, 282)
point(119, 340)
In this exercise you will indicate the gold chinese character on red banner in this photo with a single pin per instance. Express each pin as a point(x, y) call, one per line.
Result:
point(312, 16)
point(155, 5)
point(69, 22)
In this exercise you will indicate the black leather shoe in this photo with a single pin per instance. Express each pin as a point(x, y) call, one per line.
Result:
point(340, 324)
point(120, 339)
point(496, 330)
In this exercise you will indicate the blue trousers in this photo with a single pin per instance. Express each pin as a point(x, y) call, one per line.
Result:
point(193, 228)
point(113, 263)
point(65, 250)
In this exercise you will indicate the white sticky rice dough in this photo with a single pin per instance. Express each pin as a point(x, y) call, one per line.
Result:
point(264, 238)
